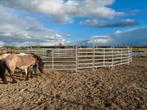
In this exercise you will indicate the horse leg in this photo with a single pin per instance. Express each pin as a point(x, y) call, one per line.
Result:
point(4, 79)
point(27, 73)
point(11, 75)
point(2, 74)
point(31, 72)
point(11, 72)
point(34, 68)
point(22, 73)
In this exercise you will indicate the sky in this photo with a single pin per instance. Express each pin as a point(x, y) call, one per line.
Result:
point(54, 22)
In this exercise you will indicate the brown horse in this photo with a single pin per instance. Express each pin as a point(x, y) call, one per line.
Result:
point(2, 71)
point(2, 68)
point(22, 62)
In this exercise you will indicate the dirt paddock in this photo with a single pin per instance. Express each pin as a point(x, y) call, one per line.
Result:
point(120, 88)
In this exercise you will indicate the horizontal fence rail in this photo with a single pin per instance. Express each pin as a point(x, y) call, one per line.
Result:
point(77, 58)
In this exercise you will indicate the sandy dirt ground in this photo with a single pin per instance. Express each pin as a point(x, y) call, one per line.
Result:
point(120, 88)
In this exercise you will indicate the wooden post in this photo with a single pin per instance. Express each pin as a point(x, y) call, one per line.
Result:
point(112, 57)
point(104, 55)
point(131, 54)
point(121, 56)
point(128, 56)
point(93, 58)
point(76, 49)
point(53, 59)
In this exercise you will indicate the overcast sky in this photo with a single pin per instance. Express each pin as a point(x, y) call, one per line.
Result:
point(53, 22)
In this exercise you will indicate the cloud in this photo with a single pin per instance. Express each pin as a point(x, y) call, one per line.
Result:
point(2, 43)
point(100, 39)
point(96, 23)
point(66, 9)
point(97, 40)
point(24, 30)
point(131, 37)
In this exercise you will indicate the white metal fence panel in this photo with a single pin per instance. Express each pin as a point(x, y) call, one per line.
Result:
point(79, 58)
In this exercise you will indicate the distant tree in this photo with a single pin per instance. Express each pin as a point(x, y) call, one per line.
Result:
point(22, 47)
point(10, 47)
point(60, 44)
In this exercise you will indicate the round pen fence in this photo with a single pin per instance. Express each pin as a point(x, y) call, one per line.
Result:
point(77, 58)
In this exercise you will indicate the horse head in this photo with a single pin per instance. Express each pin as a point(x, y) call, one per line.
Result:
point(39, 62)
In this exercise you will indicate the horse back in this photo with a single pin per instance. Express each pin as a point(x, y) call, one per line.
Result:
point(25, 60)
point(18, 61)
point(2, 56)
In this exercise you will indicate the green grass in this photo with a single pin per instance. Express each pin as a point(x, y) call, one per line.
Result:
point(137, 50)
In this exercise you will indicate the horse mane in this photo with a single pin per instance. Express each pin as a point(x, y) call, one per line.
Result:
point(36, 57)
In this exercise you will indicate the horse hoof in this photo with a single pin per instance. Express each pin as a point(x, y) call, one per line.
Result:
point(5, 82)
point(14, 81)
point(27, 79)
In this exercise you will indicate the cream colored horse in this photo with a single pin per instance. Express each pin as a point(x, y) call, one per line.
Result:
point(22, 62)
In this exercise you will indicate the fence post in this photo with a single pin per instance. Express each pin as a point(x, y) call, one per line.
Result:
point(121, 55)
point(131, 56)
point(128, 52)
point(112, 57)
point(104, 55)
point(93, 58)
point(53, 59)
point(76, 49)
